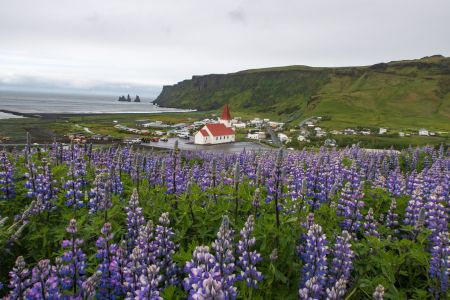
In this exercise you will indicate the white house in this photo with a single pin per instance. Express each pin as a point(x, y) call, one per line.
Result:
point(283, 138)
point(274, 124)
point(382, 131)
point(401, 134)
point(217, 133)
point(301, 138)
point(330, 143)
point(257, 122)
point(239, 125)
point(423, 132)
point(260, 135)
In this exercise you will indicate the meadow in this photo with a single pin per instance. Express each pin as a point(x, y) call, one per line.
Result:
point(79, 222)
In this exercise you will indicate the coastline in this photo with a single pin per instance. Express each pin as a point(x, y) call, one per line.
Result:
point(88, 114)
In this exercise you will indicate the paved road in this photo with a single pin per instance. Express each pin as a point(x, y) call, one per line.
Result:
point(305, 120)
point(185, 145)
point(189, 145)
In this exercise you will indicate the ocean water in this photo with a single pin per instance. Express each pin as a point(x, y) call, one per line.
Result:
point(37, 102)
point(8, 116)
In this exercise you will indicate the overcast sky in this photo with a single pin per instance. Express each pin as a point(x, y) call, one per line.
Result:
point(114, 43)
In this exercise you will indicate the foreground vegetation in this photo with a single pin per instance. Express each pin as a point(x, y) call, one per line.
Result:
point(78, 222)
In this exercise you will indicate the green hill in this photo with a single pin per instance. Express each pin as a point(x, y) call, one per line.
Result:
point(400, 94)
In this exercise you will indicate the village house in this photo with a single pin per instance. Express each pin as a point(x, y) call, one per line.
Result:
point(401, 134)
point(330, 143)
point(275, 125)
point(257, 122)
point(301, 138)
point(335, 132)
point(349, 131)
point(238, 124)
point(304, 132)
point(382, 131)
point(423, 132)
point(259, 135)
point(155, 124)
point(283, 138)
point(218, 133)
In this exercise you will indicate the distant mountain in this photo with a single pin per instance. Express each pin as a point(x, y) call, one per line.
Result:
point(406, 93)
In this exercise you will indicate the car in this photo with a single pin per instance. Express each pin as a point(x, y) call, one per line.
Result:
point(155, 139)
point(164, 139)
point(183, 136)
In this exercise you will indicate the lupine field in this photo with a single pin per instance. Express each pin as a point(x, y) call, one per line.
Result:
point(78, 222)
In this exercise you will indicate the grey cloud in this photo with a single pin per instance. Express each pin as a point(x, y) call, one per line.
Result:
point(158, 42)
point(237, 15)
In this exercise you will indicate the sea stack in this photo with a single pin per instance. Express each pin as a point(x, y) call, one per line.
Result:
point(137, 99)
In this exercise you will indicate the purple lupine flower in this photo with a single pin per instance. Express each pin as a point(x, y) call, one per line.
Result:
point(337, 291)
point(210, 289)
point(20, 279)
point(118, 264)
point(31, 176)
point(164, 248)
point(236, 179)
point(275, 186)
point(247, 258)
point(225, 262)
point(105, 254)
point(436, 214)
point(148, 284)
point(396, 183)
point(370, 224)
point(74, 193)
point(314, 273)
point(90, 285)
point(440, 264)
point(135, 220)
point(342, 262)
point(256, 203)
point(44, 187)
point(378, 294)
point(146, 244)
point(133, 271)
point(199, 269)
point(392, 217)
point(310, 290)
point(350, 204)
point(414, 206)
point(116, 182)
point(44, 282)
point(98, 194)
point(73, 261)
point(6, 177)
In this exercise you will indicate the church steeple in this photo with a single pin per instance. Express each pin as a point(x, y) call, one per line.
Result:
point(225, 118)
point(226, 113)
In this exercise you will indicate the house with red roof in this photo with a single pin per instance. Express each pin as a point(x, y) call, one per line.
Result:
point(217, 133)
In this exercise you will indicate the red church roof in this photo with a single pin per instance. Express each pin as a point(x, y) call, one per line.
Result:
point(204, 132)
point(226, 113)
point(219, 129)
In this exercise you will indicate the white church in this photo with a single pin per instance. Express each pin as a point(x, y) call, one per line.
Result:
point(217, 133)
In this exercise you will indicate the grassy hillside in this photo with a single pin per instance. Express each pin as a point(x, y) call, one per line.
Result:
point(402, 94)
